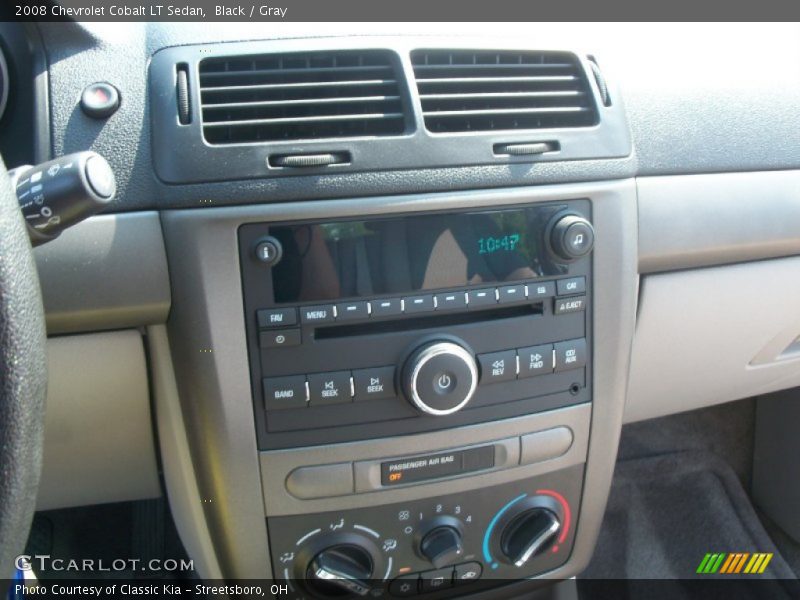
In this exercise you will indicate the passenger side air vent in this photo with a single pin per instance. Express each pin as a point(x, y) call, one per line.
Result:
point(463, 91)
point(302, 96)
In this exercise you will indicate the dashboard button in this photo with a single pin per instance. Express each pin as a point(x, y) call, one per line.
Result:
point(498, 366)
point(348, 311)
point(451, 301)
point(374, 384)
point(279, 338)
point(329, 388)
point(570, 355)
point(418, 304)
point(482, 297)
point(405, 586)
point(279, 317)
point(535, 360)
point(386, 307)
point(467, 572)
point(565, 306)
point(316, 314)
point(511, 293)
point(433, 581)
point(545, 289)
point(285, 392)
point(574, 285)
point(100, 100)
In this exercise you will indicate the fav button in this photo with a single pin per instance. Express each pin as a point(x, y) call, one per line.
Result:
point(498, 366)
point(279, 317)
point(329, 388)
point(374, 384)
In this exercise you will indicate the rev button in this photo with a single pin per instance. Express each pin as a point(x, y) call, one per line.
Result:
point(329, 388)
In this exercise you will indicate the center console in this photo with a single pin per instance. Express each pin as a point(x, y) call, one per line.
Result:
point(405, 396)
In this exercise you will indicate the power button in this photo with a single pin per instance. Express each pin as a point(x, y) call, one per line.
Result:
point(439, 378)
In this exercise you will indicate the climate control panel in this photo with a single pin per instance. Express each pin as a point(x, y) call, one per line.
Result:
point(472, 540)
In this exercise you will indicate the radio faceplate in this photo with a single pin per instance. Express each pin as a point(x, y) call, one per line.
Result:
point(330, 336)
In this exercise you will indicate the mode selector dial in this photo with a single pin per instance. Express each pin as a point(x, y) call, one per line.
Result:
point(439, 378)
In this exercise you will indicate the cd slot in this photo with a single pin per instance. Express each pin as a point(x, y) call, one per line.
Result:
point(428, 321)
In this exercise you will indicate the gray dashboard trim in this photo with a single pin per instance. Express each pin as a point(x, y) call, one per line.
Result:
point(206, 330)
point(689, 221)
point(108, 272)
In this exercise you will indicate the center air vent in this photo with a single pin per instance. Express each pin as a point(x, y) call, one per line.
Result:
point(464, 91)
point(303, 96)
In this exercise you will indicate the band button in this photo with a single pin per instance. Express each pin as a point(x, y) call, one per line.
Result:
point(285, 392)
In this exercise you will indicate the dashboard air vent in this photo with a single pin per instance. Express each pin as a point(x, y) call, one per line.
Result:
point(303, 96)
point(463, 91)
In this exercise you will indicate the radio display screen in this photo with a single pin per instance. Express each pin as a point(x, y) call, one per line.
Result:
point(364, 258)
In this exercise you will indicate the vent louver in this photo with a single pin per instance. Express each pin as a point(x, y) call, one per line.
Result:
point(303, 96)
point(463, 91)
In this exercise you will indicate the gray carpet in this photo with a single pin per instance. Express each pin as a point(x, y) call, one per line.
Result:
point(666, 512)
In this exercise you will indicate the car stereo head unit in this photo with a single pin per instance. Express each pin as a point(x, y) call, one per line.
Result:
point(364, 328)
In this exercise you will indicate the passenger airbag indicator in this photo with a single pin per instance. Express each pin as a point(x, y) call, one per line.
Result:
point(442, 464)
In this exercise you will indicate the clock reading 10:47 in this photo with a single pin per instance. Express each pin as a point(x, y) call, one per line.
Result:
point(505, 243)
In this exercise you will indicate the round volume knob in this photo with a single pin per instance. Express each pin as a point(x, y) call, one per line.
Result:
point(572, 237)
point(439, 378)
point(341, 570)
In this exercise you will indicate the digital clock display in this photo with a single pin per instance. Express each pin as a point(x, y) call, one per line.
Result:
point(505, 243)
point(398, 255)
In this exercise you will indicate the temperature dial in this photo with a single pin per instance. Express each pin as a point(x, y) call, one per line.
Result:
point(60, 193)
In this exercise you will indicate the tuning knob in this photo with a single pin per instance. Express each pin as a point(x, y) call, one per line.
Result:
point(341, 570)
point(571, 237)
point(442, 544)
point(439, 378)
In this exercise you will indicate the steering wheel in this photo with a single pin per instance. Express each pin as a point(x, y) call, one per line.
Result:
point(23, 379)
